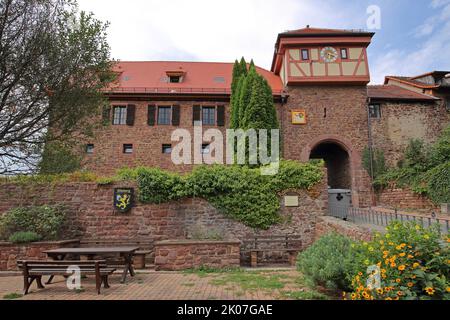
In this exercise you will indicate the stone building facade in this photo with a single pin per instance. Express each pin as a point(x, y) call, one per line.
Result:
point(321, 74)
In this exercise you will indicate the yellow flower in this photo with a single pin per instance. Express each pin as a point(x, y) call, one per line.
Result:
point(353, 296)
point(402, 267)
point(383, 276)
point(399, 293)
point(430, 291)
point(397, 298)
point(416, 265)
point(413, 276)
point(370, 249)
point(410, 284)
point(410, 256)
point(388, 299)
point(402, 254)
point(393, 264)
point(360, 274)
point(398, 247)
point(381, 242)
point(417, 227)
point(398, 280)
point(380, 291)
point(391, 243)
point(426, 237)
point(448, 289)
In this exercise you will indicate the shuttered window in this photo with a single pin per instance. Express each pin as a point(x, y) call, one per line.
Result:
point(209, 116)
point(131, 112)
point(151, 114)
point(196, 114)
point(164, 115)
point(221, 116)
point(176, 115)
point(120, 115)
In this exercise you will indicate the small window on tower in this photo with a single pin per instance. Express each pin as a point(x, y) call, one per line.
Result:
point(375, 111)
point(90, 148)
point(128, 148)
point(205, 149)
point(305, 54)
point(344, 54)
point(166, 148)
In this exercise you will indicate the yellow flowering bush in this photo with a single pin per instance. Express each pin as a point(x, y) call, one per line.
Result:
point(407, 263)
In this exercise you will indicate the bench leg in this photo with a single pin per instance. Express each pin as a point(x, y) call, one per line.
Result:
point(98, 283)
point(254, 259)
point(49, 281)
point(39, 282)
point(105, 282)
point(27, 281)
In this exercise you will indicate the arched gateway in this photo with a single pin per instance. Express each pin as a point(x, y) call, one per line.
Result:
point(342, 160)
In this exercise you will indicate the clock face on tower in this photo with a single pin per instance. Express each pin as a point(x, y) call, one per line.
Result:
point(329, 54)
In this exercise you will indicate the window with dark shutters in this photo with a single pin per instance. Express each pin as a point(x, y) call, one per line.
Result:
point(196, 114)
point(176, 115)
point(151, 115)
point(221, 116)
point(131, 112)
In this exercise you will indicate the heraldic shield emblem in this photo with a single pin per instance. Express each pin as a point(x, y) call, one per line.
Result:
point(123, 199)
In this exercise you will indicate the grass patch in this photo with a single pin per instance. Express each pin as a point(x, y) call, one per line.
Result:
point(204, 271)
point(190, 284)
point(249, 281)
point(304, 295)
point(12, 296)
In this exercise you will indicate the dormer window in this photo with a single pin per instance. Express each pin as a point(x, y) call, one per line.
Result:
point(174, 79)
point(175, 76)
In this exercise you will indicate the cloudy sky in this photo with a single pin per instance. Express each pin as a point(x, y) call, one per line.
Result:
point(414, 37)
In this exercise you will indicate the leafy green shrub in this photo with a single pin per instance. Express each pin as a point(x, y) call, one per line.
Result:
point(328, 262)
point(24, 237)
point(440, 151)
point(46, 221)
point(158, 186)
point(424, 172)
point(439, 183)
point(413, 263)
point(378, 163)
point(59, 158)
point(416, 155)
point(237, 191)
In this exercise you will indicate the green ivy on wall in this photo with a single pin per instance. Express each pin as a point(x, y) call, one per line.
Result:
point(239, 192)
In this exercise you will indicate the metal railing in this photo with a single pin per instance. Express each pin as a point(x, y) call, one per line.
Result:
point(383, 219)
point(174, 90)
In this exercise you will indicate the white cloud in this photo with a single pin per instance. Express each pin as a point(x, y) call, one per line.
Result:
point(431, 50)
point(208, 30)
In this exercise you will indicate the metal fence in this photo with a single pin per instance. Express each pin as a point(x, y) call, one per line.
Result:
point(383, 219)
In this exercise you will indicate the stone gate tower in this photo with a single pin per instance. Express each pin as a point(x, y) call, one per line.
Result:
point(325, 73)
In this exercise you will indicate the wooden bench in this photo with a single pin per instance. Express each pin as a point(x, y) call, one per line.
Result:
point(34, 270)
point(290, 244)
point(145, 248)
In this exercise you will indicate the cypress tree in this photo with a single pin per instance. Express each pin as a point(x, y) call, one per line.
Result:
point(246, 91)
point(243, 64)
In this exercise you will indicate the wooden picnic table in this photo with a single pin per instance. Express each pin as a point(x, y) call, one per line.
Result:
point(125, 252)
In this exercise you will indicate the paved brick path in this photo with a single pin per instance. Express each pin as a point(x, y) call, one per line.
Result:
point(148, 286)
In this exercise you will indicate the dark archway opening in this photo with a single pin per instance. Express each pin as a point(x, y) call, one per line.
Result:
point(337, 161)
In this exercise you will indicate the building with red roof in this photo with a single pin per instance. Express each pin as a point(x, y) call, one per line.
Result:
point(320, 74)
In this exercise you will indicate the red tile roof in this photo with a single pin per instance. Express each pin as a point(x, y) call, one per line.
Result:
point(391, 92)
point(321, 31)
point(410, 81)
point(200, 77)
